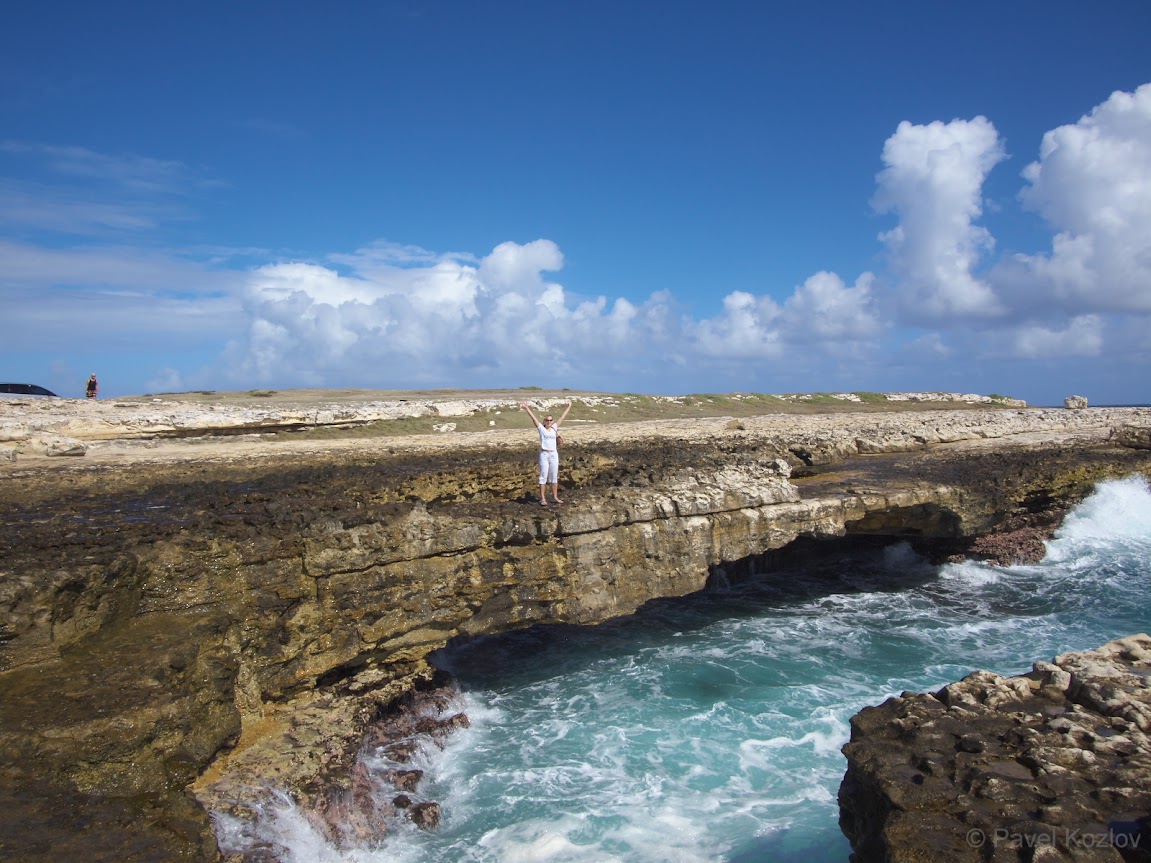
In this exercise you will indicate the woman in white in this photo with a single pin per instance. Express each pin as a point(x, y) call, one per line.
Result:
point(549, 452)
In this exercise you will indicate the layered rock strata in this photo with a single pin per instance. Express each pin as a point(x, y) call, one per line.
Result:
point(1051, 765)
point(220, 623)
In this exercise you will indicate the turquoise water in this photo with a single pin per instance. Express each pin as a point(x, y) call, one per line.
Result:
point(709, 729)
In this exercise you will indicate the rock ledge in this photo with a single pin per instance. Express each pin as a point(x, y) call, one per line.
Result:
point(1050, 765)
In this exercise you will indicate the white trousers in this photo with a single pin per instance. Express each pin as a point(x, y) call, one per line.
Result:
point(549, 467)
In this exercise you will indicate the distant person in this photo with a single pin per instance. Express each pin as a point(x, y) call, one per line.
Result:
point(93, 387)
point(549, 452)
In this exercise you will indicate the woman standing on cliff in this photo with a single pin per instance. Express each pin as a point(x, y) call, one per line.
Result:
point(549, 451)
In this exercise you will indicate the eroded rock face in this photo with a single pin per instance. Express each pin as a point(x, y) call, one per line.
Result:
point(1134, 436)
point(225, 626)
point(995, 768)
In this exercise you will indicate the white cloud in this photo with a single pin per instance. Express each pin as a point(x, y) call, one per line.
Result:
point(385, 254)
point(428, 318)
point(747, 328)
point(511, 266)
point(1082, 337)
point(824, 309)
point(933, 182)
point(274, 283)
point(821, 318)
point(1092, 183)
point(425, 317)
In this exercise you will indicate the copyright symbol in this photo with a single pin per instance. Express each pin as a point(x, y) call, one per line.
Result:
point(976, 838)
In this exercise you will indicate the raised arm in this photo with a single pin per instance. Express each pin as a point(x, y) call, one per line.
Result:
point(528, 408)
point(565, 413)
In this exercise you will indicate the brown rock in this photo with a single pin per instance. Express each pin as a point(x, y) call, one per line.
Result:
point(1136, 437)
point(426, 815)
point(969, 768)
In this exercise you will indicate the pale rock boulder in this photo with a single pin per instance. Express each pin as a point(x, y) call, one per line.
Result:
point(53, 445)
point(1135, 437)
point(1075, 403)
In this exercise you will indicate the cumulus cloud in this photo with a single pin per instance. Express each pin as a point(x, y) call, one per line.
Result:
point(933, 182)
point(1092, 183)
point(747, 327)
point(822, 315)
point(406, 316)
point(824, 309)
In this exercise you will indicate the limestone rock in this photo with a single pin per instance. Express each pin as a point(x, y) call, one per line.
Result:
point(1136, 437)
point(53, 445)
point(986, 768)
point(1075, 403)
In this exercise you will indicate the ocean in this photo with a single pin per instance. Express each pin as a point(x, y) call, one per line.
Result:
point(708, 729)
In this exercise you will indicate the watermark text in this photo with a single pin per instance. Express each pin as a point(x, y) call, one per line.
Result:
point(1062, 837)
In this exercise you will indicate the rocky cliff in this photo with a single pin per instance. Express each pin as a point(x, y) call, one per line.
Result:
point(180, 629)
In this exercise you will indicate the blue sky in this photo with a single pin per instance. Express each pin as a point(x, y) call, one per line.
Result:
point(661, 197)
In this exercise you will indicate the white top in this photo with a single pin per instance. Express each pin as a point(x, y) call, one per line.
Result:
point(548, 436)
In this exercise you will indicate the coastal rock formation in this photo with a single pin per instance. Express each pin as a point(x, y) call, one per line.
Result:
point(52, 445)
point(1050, 765)
point(1075, 403)
point(1136, 437)
point(180, 619)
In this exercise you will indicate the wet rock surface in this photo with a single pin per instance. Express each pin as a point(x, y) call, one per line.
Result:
point(183, 628)
point(1051, 765)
